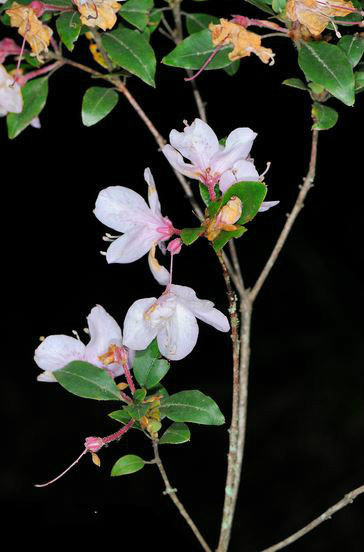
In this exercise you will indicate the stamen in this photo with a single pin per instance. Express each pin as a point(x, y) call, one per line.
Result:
point(76, 334)
point(103, 253)
point(266, 170)
point(20, 56)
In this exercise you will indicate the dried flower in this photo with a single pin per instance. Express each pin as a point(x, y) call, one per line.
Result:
point(244, 42)
point(315, 15)
point(29, 27)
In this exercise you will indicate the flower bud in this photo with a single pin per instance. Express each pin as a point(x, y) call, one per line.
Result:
point(93, 444)
point(175, 246)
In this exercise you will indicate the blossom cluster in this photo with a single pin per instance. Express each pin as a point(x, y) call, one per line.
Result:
point(171, 318)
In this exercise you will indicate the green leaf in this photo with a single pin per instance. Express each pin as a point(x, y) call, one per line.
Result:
point(205, 196)
point(295, 83)
point(353, 46)
point(214, 207)
point(190, 235)
point(137, 411)
point(176, 434)
point(326, 64)
point(224, 237)
point(192, 406)
point(136, 12)
point(127, 464)
point(35, 94)
point(97, 103)
point(148, 367)
point(251, 194)
point(131, 51)
point(359, 82)
point(69, 27)
point(153, 21)
point(262, 5)
point(123, 417)
point(159, 390)
point(88, 381)
point(316, 88)
point(196, 22)
point(233, 68)
point(194, 50)
point(279, 5)
point(325, 117)
point(140, 395)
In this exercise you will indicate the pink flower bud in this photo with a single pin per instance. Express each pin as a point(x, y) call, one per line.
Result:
point(94, 444)
point(38, 7)
point(175, 246)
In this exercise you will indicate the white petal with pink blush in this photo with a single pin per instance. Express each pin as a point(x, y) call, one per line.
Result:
point(172, 320)
point(11, 100)
point(199, 144)
point(142, 226)
point(56, 351)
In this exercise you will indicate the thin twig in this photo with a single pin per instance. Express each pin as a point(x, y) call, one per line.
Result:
point(237, 268)
point(173, 496)
point(201, 106)
point(304, 189)
point(234, 427)
point(231, 490)
point(348, 499)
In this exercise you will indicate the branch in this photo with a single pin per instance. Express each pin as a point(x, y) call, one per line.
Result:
point(231, 491)
point(234, 427)
point(172, 494)
point(348, 499)
point(304, 189)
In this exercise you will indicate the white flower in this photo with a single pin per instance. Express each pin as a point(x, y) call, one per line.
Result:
point(172, 320)
point(56, 351)
point(211, 162)
point(11, 100)
point(243, 171)
point(126, 211)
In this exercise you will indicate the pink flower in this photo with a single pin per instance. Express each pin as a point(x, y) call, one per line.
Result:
point(210, 162)
point(126, 211)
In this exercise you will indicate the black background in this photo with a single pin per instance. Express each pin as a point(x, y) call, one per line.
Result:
point(305, 428)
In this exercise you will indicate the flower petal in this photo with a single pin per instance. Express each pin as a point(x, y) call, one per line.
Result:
point(177, 162)
point(198, 143)
point(178, 337)
point(56, 351)
point(138, 332)
point(203, 309)
point(237, 147)
point(131, 246)
point(153, 199)
point(11, 99)
point(242, 171)
point(159, 272)
point(123, 209)
point(104, 331)
point(266, 205)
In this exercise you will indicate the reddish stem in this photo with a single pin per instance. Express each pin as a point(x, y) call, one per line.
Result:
point(207, 62)
point(246, 22)
point(118, 434)
point(22, 80)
